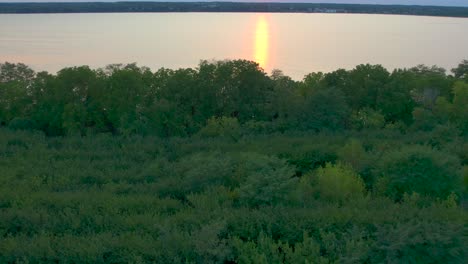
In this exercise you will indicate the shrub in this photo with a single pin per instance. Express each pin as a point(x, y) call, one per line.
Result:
point(266, 250)
point(333, 183)
point(367, 119)
point(269, 180)
point(419, 169)
point(465, 178)
point(339, 183)
point(354, 154)
point(258, 179)
point(22, 124)
point(221, 127)
point(325, 109)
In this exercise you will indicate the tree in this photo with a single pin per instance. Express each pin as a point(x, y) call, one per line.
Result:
point(460, 103)
point(337, 79)
point(334, 183)
point(394, 100)
point(325, 109)
point(365, 85)
point(428, 83)
point(182, 90)
point(367, 118)
point(48, 102)
point(15, 89)
point(339, 183)
point(284, 99)
point(461, 71)
point(15, 72)
point(354, 154)
point(124, 93)
point(79, 89)
point(242, 88)
point(313, 82)
point(221, 127)
point(421, 170)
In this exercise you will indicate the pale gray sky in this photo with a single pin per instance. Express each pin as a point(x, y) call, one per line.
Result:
point(402, 2)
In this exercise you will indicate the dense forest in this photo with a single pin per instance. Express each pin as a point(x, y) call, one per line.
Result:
point(102, 7)
point(224, 163)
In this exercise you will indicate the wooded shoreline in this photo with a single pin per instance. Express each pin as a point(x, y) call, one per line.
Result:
point(130, 7)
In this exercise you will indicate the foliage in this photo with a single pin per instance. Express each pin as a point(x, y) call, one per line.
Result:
point(127, 99)
point(325, 109)
point(225, 164)
point(224, 127)
point(367, 119)
point(421, 170)
point(336, 183)
point(169, 6)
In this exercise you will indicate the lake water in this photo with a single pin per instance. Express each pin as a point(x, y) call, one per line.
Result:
point(295, 43)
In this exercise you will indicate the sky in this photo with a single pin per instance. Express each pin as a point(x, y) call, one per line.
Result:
point(401, 2)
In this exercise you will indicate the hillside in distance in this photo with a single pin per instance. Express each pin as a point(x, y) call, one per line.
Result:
point(362, 2)
point(110, 7)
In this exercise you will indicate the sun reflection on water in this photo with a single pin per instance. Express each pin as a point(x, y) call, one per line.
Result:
point(261, 41)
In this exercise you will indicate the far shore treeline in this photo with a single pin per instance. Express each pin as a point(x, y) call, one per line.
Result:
point(102, 7)
point(224, 163)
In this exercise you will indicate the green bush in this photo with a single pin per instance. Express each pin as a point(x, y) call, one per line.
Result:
point(221, 127)
point(269, 181)
point(419, 169)
point(354, 154)
point(339, 183)
point(367, 119)
point(22, 124)
point(333, 183)
point(465, 178)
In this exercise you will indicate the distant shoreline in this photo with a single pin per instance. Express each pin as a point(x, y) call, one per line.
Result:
point(229, 7)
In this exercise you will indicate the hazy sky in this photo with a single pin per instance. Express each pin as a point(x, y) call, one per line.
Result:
point(404, 2)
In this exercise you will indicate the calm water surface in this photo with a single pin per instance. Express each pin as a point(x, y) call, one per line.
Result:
point(295, 43)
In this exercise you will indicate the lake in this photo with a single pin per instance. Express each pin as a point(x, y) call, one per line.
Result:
point(295, 43)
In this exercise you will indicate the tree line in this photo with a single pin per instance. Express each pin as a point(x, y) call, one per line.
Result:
point(100, 7)
point(127, 99)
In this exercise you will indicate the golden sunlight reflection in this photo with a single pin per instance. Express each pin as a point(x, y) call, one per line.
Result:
point(261, 41)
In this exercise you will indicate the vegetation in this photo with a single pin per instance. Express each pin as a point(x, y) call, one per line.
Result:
point(227, 164)
point(102, 7)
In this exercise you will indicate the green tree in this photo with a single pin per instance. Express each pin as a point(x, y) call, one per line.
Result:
point(182, 90)
point(428, 83)
point(123, 99)
point(365, 86)
point(242, 89)
point(325, 109)
point(367, 118)
point(460, 103)
point(421, 170)
point(354, 154)
point(284, 99)
point(339, 183)
point(49, 100)
point(221, 127)
point(15, 91)
point(461, 71)
point(394, 100)
point(79, 88)
point(313, 82)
